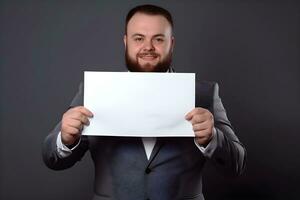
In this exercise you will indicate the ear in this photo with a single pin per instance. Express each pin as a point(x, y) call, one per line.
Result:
point(172, 43)
point(125, 40)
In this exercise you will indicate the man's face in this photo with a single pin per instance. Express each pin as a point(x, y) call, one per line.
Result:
point(149, 43)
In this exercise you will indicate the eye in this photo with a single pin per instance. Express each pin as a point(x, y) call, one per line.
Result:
point(159, 40)
point(138, 39)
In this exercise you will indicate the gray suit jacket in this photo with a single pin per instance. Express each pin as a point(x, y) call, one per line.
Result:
point(174, 170)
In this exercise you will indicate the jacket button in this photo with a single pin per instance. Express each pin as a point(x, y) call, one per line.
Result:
point(148, 171)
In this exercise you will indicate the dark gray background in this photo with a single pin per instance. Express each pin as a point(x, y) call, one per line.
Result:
point(251, 48)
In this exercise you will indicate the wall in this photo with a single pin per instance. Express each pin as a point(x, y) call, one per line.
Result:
point(251, 48)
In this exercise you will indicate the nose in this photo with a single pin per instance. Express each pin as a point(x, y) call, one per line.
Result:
point(148, 45)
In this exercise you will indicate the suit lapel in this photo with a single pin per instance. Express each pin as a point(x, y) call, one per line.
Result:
point(157, 147)
point(141, 150)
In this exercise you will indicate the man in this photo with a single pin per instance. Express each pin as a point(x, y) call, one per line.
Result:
point(149, 168)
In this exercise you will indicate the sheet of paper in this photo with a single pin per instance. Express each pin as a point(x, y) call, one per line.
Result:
point(139, 104)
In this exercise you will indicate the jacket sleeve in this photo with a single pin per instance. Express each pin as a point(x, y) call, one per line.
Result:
point(230, 154)
point(49, 148)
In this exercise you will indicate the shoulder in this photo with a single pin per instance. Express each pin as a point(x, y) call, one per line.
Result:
point(205, 92)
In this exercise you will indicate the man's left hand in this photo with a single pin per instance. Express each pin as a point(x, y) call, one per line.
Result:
point(203, 124)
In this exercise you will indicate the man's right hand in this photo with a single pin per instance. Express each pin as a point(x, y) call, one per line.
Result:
point(72, 124)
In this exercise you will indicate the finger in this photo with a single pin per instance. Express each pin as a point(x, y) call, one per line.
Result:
point(80, 117)
point(71, 130)
point(201, 126)
point(85, 111)
point(201, 137)
point(72, 114)
point(198, 118)
point(201, 140)
point(84, 120)
point(75, 123)
point(200, 134)
point(190, 115)
point(207, 133)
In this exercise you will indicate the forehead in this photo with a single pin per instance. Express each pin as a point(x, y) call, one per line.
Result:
point(148, 24)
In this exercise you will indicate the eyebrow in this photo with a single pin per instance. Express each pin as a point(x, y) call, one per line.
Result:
point(137, 34)
point(141, 35)
point(159, 35)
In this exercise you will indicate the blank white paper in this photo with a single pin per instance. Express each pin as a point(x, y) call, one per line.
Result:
point(139, 104)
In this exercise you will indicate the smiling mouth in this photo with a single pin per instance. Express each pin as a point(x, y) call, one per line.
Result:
point(148, 57)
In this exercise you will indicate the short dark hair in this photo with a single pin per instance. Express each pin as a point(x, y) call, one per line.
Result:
point(149, 10)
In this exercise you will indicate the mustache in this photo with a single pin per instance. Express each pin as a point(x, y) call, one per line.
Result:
point(147, 54)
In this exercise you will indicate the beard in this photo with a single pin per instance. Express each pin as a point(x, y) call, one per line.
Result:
point(134, 66)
